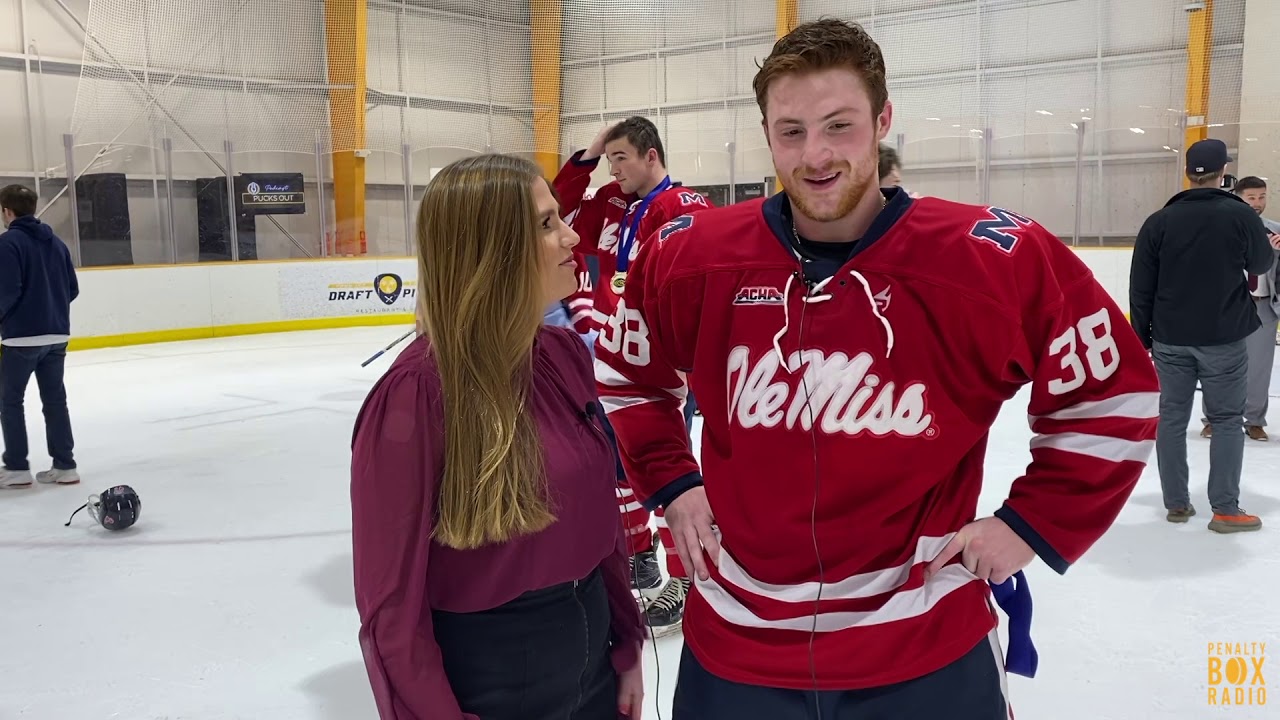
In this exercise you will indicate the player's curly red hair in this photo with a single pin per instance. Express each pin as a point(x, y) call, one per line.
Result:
point(820, 45)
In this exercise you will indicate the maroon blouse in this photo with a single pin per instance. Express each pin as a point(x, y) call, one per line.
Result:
point(401, 574)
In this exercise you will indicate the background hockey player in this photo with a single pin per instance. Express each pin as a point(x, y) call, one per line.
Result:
point(612, 224)
point(850, 348)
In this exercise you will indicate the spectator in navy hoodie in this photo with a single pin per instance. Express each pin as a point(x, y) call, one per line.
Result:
point(37, 285)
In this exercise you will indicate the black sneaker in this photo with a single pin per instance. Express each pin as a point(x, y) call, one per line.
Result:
point(665, 615)
point(646, 578)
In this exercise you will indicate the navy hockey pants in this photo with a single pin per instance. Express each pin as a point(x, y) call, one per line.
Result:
point(971, 688)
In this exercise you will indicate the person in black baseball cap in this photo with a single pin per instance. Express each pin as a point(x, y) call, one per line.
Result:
point(1207, 157)
point(1189, 303)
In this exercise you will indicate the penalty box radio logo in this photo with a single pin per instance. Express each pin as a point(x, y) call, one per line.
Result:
point(1236, 674)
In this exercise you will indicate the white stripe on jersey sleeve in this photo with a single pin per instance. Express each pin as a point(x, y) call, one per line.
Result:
point(1142, 406)
point(1101, 447)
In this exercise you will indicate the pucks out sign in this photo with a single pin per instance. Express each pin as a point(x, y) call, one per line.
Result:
point(388, 287)
point(271, 193)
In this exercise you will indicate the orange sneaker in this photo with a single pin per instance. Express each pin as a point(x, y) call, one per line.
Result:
point(1235, 523)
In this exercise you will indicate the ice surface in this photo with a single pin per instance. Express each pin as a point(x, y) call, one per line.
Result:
point(232, 597)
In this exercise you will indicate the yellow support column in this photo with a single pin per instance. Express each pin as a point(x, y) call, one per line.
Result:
point(1199, 47)
point(785, 20)
point(545, 17)
point(346, 32)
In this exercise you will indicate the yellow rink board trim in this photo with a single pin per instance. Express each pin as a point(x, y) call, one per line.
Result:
point(216, 331)
point(278, 326)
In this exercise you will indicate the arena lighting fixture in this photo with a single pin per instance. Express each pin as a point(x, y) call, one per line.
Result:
point(1075, 126)
point(1044, 112)
point(934, 119)
point(1251, 139)
point(1215, 124)
point(1139, 131)
point(1086, 118)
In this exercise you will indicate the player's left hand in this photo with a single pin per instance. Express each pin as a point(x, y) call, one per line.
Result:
point(988, 548)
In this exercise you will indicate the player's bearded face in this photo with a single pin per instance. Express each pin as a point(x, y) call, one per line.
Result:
point(824, 140)
point(808, 192)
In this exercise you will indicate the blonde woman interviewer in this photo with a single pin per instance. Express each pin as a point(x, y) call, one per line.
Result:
point(490, 567)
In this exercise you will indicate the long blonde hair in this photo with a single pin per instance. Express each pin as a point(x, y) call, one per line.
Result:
point(479, 270)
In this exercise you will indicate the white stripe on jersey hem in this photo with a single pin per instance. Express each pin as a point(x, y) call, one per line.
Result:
point(624, 492)
point(902, 606)
point(614, 404)
point(1096, 446)
point(993, 638)
point(863, 585)
point(1142, 406)
point(606, 375)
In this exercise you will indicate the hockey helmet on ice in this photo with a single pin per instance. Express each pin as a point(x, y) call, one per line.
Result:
point(115, 509)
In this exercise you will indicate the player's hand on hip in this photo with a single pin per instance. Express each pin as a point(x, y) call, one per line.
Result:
point(1275, 240)
point(692, 527)
point(988, 548)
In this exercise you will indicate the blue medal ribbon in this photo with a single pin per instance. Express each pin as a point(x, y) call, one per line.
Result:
point(629, 231)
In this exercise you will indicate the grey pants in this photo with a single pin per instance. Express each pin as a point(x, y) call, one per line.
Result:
point(1262, 357)
point(1221, 371)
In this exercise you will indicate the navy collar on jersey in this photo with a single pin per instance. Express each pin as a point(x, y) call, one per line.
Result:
point(777, 215)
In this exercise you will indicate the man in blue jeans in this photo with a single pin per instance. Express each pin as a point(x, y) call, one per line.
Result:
point(37, 285)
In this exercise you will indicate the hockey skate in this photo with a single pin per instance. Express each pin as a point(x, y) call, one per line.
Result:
point(666, 615)
point(646, 578)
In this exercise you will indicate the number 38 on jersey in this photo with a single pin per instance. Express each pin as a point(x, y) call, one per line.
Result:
point(625, 334)
point(1101, 355)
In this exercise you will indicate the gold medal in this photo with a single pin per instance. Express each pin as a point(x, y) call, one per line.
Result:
point(618, 283)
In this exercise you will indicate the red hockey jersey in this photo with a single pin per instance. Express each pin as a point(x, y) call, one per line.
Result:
point(599, 221)
point(580, 302)
point(905, 356)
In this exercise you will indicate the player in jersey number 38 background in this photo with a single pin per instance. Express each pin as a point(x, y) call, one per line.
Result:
point(850, 348)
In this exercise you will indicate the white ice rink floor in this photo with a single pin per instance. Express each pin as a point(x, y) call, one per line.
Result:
point(232, 597)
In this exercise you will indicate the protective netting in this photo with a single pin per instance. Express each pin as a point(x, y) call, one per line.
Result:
point(687, 66)
point(1074, 111)
point(201, 72)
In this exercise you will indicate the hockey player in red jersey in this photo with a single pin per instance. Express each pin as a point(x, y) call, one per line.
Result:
point(580, 304)
point(850, 348)
point(613, 224)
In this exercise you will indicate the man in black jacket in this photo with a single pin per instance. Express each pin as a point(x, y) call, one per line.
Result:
point(37, 285)
point(1189, 303)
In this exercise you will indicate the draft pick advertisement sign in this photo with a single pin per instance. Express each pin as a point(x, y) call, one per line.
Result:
point(347, 289)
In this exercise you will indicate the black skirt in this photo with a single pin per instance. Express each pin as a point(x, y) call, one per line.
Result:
point(542, 656)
